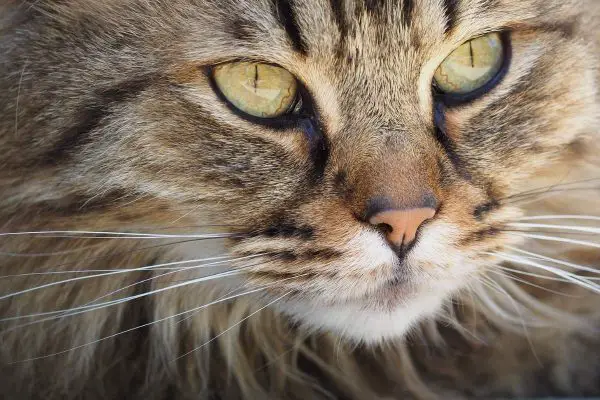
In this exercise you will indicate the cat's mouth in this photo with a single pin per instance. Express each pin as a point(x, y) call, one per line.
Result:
point(379, 287)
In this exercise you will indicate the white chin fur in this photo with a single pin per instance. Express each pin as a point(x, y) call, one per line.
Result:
point(364, 323)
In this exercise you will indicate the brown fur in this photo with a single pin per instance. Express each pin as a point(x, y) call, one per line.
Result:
point(108, 123)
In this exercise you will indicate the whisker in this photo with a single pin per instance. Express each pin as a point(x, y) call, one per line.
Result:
point(138, 327)
point(122, 271)
point(524, 197)
point(18, 97)
point(534, 275)
point(542, 190)
point(93, 307)
point(181, 269)
point(168, 227)
point(117, 235)
point(556, 239)
point(554, 260)
point(85, 271)
point(125, 252)
point(517, 279)
point(266, 285)
point(521, 319)
point(539, 231)
point(549, 226)
point(50, 254)
point(232, 326)
point(491, 284)
point(579, 280)
point(549, 312)
point(550, 217)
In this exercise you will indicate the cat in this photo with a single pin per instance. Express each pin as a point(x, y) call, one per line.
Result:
point(294, 199)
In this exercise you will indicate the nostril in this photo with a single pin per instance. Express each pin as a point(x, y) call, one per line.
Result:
point(401, 225)
point(386, 229)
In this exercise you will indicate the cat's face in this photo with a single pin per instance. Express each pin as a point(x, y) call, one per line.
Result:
point(372, 137)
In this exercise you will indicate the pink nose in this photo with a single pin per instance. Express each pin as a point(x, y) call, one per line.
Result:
point(403, 223)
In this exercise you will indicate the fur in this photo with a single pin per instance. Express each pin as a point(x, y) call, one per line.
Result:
point(109, 122)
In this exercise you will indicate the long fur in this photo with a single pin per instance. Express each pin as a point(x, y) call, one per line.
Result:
point(108, 123)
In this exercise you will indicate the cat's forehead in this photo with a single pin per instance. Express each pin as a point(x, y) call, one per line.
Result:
point(381, 35)
point(314, 25)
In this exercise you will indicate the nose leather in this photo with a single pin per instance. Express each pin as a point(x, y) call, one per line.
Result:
point(403, 223)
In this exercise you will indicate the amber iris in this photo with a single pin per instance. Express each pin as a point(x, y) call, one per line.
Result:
point(471, 66)
point(259, 90)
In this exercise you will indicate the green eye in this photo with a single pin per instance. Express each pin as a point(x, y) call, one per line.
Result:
point(259, 90)
point(471, 66)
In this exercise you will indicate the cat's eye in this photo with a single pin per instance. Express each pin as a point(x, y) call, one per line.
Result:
point(257, 89)
point(473, 66)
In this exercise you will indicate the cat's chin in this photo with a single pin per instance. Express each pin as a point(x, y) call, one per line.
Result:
point(389, 314)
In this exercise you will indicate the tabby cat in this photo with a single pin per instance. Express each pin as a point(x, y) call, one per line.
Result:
point(299, 199)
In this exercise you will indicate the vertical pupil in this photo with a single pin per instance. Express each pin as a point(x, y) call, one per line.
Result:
point(471, 66)
point(471, 53)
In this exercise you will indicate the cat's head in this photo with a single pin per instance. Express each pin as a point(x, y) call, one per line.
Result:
point(364, 150)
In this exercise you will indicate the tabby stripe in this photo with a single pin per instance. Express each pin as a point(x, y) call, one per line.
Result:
point(375, 6)
point(451, 10)
point(448, 145)
point(479, 236)
point(339, 15)
point(407, 10)
point(90, 116)
point(566, 29)
point(288, 19)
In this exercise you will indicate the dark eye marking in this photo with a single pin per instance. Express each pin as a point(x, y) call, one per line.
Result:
point(318, 145)
point(450, 148)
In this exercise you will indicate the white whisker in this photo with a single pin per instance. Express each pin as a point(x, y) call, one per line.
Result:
point(549, 313)
point(51, 253)
point(556, 261)
point(534, 275)
point(517, 279)
point(556, 239)
point(116, 235)
point(88, 271)
point(93, 307)
point(18, 98)
point(232, 326)
point(550, 217)
point(122, 271)
point(579, 280)
point(495, 307)
point(521, 319)
point(140, 326)
point(559, 227)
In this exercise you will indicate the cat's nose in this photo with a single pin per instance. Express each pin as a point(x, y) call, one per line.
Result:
point(401, 225)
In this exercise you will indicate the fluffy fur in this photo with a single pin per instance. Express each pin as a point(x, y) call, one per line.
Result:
point(108, 122)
